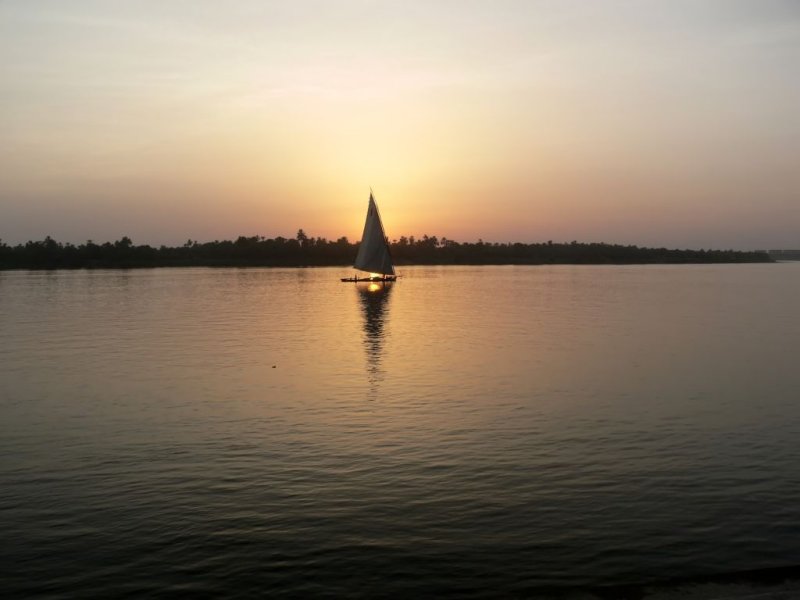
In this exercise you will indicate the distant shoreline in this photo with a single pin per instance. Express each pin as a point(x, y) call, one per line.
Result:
point(254, 265)
point(304, 251)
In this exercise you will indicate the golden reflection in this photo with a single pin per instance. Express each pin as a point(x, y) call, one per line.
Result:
point(374, 299)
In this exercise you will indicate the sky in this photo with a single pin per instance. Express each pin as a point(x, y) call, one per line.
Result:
point(661, 123)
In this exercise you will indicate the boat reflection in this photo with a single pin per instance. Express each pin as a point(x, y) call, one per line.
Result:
point(374, 298)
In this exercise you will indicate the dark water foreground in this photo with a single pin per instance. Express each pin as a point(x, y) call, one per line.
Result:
point(615, 432)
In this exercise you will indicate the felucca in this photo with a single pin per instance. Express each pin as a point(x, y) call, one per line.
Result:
point(373, 252)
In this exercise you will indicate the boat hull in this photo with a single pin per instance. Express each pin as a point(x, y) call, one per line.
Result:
point(369, 279)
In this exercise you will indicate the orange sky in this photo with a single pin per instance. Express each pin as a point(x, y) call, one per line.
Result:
point(655, 123)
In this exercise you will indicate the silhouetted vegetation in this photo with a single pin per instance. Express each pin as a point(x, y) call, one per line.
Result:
point(303, 250)
point(784, 254)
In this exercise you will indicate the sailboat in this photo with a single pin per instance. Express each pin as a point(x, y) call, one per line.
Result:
point(373, 252)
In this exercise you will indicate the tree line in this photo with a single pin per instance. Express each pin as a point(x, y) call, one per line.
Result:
point(303, 250)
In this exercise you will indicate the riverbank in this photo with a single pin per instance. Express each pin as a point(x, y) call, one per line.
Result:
point(303, 251)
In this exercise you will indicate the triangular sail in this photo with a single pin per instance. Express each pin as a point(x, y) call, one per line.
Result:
point(373, 253)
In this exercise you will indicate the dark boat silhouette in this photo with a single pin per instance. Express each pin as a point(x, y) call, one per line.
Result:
point(373, 252)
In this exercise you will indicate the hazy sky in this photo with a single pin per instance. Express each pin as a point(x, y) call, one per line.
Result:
point(664, 122)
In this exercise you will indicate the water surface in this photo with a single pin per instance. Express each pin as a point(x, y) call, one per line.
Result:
point(475, 431)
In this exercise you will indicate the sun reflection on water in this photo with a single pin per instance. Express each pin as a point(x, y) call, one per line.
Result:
point(374, 298)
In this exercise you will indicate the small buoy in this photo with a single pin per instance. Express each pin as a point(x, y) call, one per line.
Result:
point(273, 366)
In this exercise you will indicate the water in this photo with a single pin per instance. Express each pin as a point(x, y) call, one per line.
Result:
point(473, 431)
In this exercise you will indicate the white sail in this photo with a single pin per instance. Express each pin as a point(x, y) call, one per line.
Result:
point(373, 253)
